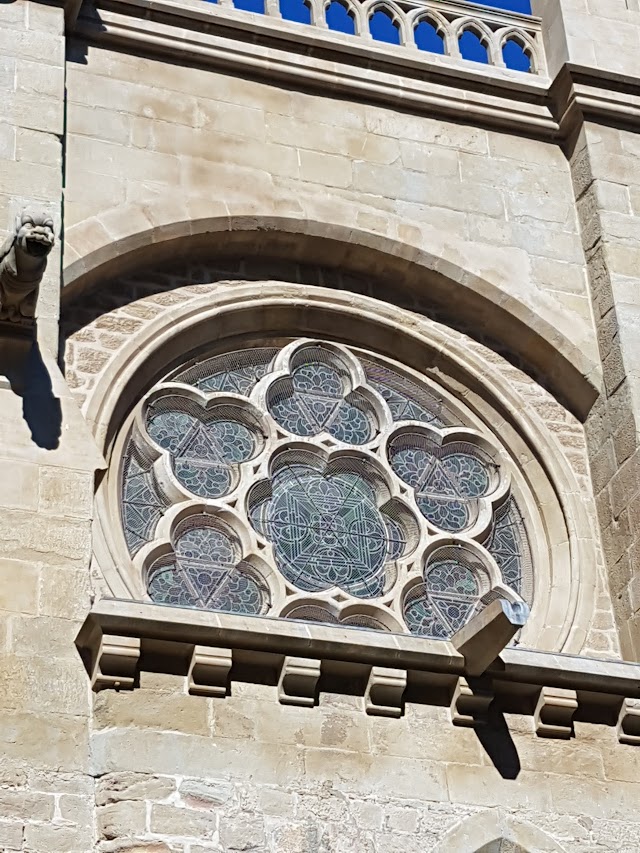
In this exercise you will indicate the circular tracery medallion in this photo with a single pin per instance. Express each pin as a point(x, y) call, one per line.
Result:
point(340, 471)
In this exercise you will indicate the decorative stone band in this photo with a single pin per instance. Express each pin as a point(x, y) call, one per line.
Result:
point(356, 66)
point(502, 39)
point(473, 673)
point(227, 39)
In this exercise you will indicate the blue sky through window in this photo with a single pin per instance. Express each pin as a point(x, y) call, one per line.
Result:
point(523, 6)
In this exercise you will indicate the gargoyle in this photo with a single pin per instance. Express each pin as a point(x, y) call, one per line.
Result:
point(23, 260)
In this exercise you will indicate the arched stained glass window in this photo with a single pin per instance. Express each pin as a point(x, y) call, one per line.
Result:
point(312, 481)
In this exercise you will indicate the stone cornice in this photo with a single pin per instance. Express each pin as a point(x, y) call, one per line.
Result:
point(272, 49)
point(269, 48)
point(120, 637)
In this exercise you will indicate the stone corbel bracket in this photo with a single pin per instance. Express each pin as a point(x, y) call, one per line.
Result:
point(209, 670)
point(384, 696)
point(470, 705)
point(629, 722)
point(301, 659)
point(553, 716)
point(115, 663)
point(298, 682)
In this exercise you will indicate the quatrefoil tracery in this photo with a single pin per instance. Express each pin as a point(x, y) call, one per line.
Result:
point(453, 474)
point(342, 526)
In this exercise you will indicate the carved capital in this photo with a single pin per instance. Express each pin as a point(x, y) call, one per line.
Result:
point(115, 663)
point(298, 681)
point(209, 671)
point(554, 712)
point(385, 689)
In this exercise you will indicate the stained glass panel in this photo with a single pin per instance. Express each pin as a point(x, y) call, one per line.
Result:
point(235, 372)
point(508, 544)
point(205, 573)
point(327, 527)
point(142, 505)
point(315, 398)
point(445, 601)
point(328, 531)
point(447, 483)
point(204, 453)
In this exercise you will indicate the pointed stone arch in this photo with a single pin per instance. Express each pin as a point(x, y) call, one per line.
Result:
point(496, 832)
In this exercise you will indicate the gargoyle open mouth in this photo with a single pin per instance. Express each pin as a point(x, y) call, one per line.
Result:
point(38, 244)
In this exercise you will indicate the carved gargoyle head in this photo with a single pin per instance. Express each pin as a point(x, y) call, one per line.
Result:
point(34, 233)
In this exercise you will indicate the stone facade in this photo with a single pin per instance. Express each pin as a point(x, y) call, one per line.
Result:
point(215, 175)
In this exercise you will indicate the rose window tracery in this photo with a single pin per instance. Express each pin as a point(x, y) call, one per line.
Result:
point(357, 495)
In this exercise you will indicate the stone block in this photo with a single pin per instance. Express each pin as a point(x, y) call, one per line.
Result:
point(43, 741)
point(52, 838)
point(116, 787)
point(44, 637)
point(173, 753)
point(64, 592)
point(64, 492)
point(326, 169)
point(183, 822)
point(205, 793)
point(19, 582)
point(242, 832)
point(122, 819)
point(23, 805)
point(11, 836)
point(18, 484)
point(483, 786)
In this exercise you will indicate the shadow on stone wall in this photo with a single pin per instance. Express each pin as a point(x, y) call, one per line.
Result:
point(41, 409)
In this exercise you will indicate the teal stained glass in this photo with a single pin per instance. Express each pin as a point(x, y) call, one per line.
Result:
point(444, 602)
point(313, 400)
point(327, 531)
point(205, 573)
point(204, 453)
point(447, 485)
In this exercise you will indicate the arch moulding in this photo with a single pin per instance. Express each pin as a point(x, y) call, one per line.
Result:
point(565, 596)
point(488, 290)
point(475, 833)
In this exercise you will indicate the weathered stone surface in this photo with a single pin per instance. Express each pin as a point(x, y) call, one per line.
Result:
point(114, 787)
point(122, 819)
point(195, 792)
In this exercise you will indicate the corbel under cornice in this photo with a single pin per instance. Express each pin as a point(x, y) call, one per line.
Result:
point(212, 650)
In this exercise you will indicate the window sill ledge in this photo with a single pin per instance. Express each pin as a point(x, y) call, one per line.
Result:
point(119, 638)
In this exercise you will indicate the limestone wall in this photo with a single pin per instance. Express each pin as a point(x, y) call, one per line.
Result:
point(159, 771)
point(181, 773)
point(140, 128)
point(47, 457)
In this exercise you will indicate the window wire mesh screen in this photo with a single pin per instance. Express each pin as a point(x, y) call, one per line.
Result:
point(340, 525)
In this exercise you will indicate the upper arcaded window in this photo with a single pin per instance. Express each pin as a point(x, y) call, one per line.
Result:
point(313, 481)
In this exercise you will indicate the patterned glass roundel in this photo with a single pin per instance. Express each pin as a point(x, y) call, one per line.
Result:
point(313, 482)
